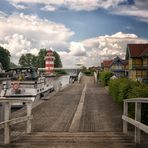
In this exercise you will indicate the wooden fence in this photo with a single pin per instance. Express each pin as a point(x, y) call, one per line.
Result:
point(7, 102)
point(137, 121)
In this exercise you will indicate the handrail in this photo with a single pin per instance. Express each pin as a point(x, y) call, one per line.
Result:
point(142, 100)
point(15, 100)
point(7, 111)
point(137, 122)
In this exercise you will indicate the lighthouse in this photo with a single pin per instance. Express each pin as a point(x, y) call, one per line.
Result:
point(49, 62)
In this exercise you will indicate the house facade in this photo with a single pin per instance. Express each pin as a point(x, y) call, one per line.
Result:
point(117, 66)
point(105, 65)
point(137, 56)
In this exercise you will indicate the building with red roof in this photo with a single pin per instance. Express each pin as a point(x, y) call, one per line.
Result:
point(106, 65)
point(117, 66)
point(137, 56)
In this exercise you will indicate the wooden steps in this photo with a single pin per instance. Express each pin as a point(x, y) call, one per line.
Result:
point(73, 140)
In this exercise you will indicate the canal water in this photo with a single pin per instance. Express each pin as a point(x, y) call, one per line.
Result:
point(64, 80)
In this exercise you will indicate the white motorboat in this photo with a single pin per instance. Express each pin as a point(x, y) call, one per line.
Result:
point(27, 84)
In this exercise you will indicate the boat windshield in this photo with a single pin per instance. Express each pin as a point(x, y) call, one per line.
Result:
point(23, 74)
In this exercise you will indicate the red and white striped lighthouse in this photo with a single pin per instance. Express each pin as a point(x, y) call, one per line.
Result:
point(49, 62)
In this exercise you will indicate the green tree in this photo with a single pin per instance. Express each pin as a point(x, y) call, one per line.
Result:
point(105, 77)
point(41, 55)
point(84, 69)
point(28, 60)
point(5, 58)
point(12, 65)
point(57, 61)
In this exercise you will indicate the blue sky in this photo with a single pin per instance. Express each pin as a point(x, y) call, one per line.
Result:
point(81, 31)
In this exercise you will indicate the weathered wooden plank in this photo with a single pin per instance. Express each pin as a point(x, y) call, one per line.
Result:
point(137, 118)
point(6, 125)
point(125, 123)
point(76, 120)
point(29, 108)
point(15, 121)
point(15, 100)
point(137, 124)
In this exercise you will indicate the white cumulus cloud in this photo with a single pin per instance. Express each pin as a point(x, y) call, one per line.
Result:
point(91, 52)
point(77, 49)
point(18, 45)
point(21, 33)
point(48, 8)
point(108, 46)
point(139, 9)
point(77, 5)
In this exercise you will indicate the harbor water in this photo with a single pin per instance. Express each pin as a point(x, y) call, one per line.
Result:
point(64, 80)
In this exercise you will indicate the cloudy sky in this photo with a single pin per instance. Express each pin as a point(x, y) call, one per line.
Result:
point(81, 31)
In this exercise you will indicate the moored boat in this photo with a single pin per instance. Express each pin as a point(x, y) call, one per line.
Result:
point(26, 82)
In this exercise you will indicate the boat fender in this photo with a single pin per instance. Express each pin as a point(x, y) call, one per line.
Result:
point(16, 86)
point(35, 84)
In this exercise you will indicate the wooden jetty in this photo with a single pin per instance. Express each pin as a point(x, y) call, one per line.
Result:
point(82, 115)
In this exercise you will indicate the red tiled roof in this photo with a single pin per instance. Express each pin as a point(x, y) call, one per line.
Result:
point(107, 63)
point(145, 52)
point(137, 50)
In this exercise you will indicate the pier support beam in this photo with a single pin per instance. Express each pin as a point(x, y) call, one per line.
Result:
point(137, 118)
point(7, 108)
point(125, 123)
point(29, 108)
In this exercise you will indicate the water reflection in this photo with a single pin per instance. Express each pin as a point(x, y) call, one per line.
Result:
point(63, 79)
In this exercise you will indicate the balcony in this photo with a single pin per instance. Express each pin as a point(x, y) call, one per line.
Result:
point(138, 66)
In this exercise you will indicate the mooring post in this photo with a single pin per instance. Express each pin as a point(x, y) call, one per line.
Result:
point(29, 108)
point(1, 112)
point(7, 108)
point(137, 118)
point(125, 123)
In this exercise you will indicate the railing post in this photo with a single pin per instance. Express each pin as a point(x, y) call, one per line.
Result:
point(125, 123)
point(29, 108)
point(1, 112)
point(7, 108)
point(137, 118)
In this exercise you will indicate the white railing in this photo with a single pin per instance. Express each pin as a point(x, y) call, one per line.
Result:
point(95, 77)
point(7, 102)
point(137, 121)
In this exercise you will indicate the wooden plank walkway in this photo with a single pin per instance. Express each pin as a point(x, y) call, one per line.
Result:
point(80, 116)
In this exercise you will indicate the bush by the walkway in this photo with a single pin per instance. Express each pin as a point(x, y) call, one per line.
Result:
point(87, 73)
point(137, 91)
point(104, 77)
point(140, 91)
point(121, 89)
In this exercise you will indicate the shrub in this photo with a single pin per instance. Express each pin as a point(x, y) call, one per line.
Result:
point(122, 88)
point(105, 77)
point(113, 88)
point(119, 88)
point(88, 73)
point(138, 91)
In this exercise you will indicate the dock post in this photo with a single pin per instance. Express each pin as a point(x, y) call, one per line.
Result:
point(7, 107)
point(137, 118)
point(1, 112)
point(29, 108)
point(125, 124)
